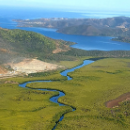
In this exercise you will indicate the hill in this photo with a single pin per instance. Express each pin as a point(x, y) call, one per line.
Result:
point(90, 30)
point(115, 22)
point(18, 46)
point(115, 27)
point(14, 43)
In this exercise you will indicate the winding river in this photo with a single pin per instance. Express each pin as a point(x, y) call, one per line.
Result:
point(55, 98)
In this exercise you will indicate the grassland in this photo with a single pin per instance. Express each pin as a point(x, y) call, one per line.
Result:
point(24, 109)
point(92, 86)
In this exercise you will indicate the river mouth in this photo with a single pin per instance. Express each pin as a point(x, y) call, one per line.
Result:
point(55, 98)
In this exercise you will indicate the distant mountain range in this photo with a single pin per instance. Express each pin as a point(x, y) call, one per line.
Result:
point(115, 27)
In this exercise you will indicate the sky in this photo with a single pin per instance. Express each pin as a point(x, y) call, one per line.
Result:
point(112, 5)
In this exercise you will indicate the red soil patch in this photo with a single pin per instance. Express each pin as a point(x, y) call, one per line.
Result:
point(115, 102)
point(63, 49)
point(3, 50)
point(2, 70)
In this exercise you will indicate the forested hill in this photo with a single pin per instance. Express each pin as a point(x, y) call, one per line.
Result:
point(27, 41)
point(14, 43)
point(18, 44)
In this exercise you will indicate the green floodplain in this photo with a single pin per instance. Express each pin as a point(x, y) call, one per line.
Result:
point(92, 86)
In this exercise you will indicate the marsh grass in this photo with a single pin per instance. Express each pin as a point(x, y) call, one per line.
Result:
point(27, 109)
point(22, 108)
point(92, 86)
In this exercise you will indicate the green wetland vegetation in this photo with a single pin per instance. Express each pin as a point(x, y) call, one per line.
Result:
point(89, 90)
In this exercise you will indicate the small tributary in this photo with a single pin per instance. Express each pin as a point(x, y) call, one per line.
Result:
point(55, 98)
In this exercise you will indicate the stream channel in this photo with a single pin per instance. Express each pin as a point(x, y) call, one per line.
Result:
point(55, 98)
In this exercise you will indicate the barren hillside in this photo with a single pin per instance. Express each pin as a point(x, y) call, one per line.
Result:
point(33, 66)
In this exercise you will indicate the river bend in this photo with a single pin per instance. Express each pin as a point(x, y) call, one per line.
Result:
point(55, 98)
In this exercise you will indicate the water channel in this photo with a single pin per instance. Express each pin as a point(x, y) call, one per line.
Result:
point(55, 98)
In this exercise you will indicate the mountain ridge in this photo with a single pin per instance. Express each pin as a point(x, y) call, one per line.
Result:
point(115, 27)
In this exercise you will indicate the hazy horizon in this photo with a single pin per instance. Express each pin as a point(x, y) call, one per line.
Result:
point(73, 5)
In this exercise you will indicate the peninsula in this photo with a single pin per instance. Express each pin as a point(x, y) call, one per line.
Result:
point(116, 27)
